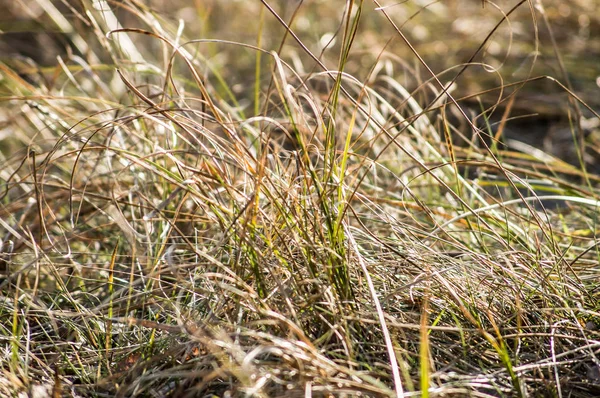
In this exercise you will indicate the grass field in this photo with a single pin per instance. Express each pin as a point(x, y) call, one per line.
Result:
point(299, 198)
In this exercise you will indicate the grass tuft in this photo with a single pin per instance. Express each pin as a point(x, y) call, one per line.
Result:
point(299, 199)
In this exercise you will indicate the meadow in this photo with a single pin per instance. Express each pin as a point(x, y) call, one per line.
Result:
point(297, 198)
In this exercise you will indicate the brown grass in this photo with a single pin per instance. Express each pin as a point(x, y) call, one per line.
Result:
point(300, 199)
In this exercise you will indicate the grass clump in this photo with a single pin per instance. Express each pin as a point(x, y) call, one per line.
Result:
point(286, 207)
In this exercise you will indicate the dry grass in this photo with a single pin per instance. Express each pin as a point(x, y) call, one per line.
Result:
point(357, 204)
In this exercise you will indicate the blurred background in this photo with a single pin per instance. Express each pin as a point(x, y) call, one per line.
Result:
point(529, 42)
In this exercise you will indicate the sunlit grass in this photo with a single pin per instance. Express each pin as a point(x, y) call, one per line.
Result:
point(298, 200)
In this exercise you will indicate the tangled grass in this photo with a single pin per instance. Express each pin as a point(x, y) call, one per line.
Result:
point(213, 217)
